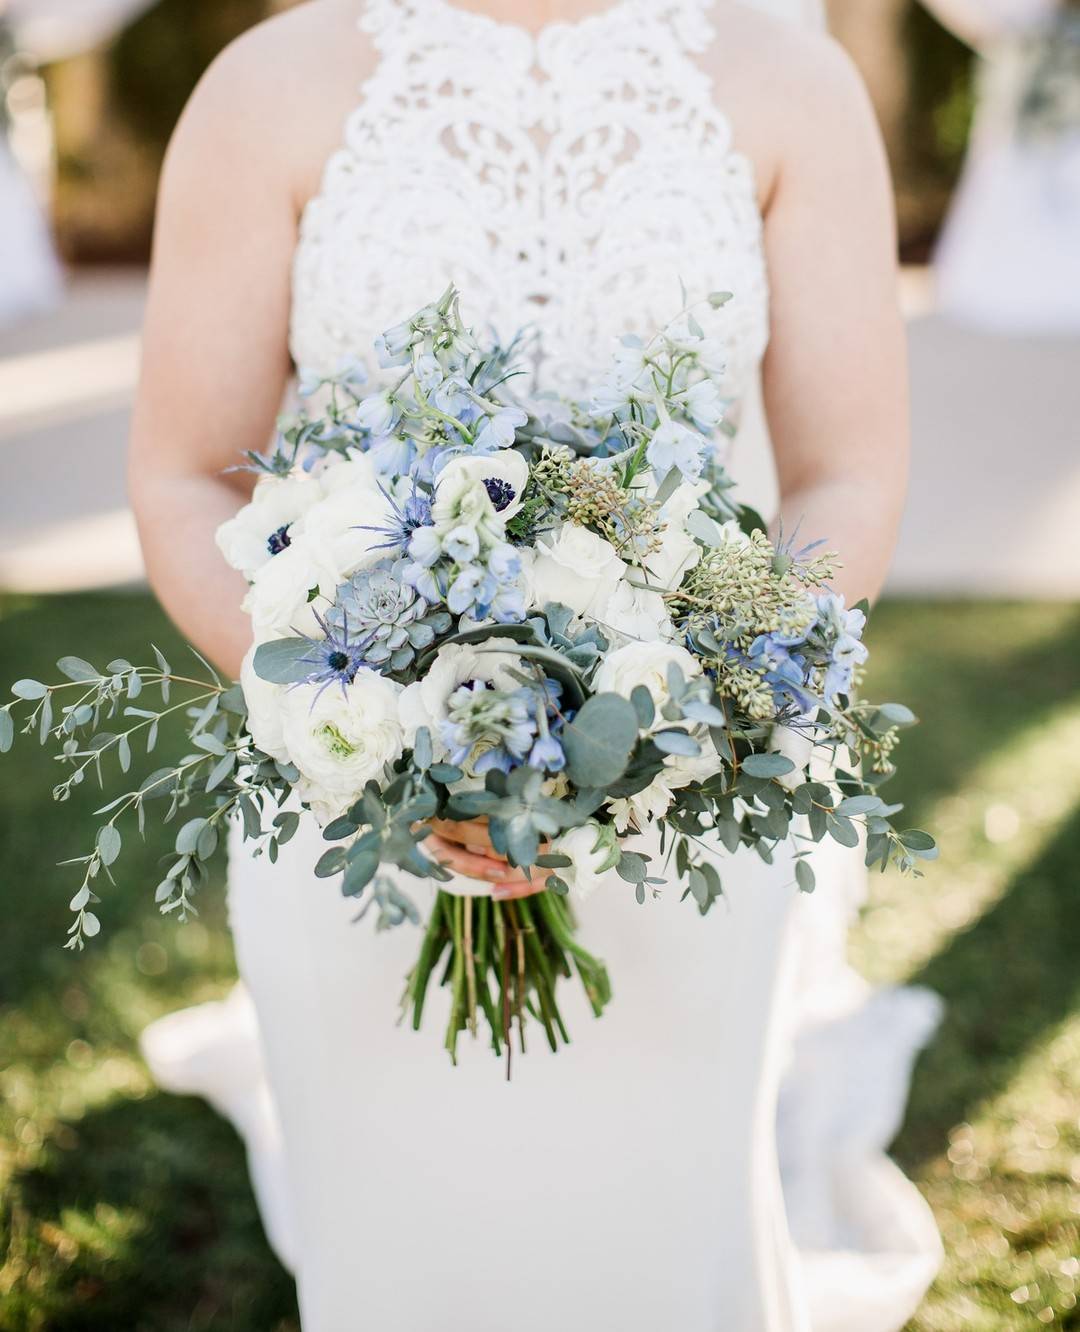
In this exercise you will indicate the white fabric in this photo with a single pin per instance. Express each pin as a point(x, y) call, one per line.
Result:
point(29, 271)
point(1009, 257)
point(56, 29)
point(632, 1180)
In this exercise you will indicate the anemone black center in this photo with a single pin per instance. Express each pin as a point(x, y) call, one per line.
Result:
point(501, 492)
point(279, 540)
point(338, 661)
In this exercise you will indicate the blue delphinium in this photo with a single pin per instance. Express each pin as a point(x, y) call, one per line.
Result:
point(490, 729)
point(786, 671)
point(843, 630)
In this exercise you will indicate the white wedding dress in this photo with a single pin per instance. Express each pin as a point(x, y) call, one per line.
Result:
point(1009, 257)
point(632, 1180)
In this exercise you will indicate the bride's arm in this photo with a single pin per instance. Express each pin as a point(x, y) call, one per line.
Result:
point(215, 356)
point(836, 388)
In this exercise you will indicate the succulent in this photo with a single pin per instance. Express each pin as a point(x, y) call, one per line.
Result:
point(386, 616)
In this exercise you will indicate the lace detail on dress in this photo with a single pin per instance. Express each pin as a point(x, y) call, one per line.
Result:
point(568, 180)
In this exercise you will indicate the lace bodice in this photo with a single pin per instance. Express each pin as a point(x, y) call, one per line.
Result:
point(567, 180)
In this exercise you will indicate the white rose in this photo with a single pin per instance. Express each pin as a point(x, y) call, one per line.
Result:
point(340, 739)
point(796, 745)
point(639, 614)
point(278, 600)
point(645, 664)
point(636, 812)
point(424, 703)
point(263, 701)
point(507, 470)
point(595, 853)
point(577, 568)
point(678, 554)
point(263, 528)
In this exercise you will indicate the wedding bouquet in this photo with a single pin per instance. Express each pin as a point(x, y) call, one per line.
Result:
point(548, 614)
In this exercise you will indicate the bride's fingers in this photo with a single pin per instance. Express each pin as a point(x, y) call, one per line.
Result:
point(511, 892)
point(486, 868)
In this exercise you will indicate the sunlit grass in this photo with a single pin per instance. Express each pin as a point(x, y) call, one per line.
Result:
point(993, 1131)
point(121, 1208)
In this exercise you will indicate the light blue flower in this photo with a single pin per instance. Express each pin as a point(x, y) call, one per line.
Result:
point(470, 591)
point(676, 445)
point(393, 455)
point(547, 755)
point(425, 547)
point(453, 397)
point(378, 413)
point(785, 671)
point(462, 544)
point(429, 372)
point(394, 347)
point(351, 374)
point(705, 404)
point(508, 605)
point(504, 562)
point(500, 430)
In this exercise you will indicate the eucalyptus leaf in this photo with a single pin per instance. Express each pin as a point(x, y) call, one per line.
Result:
point(109, 843)
point(7, 731)
point(187, 839)
point(280, 662)
point(917, 840)
point(78, 670)
point(643, 706)
point(767, 765)
point(677, 742)
point(599, 741)
point(805, 876)
point(29, 689)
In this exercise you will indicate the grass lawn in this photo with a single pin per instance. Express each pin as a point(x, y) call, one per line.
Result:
point(121, 1208)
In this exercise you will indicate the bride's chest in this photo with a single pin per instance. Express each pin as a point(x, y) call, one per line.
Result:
point(570, 182)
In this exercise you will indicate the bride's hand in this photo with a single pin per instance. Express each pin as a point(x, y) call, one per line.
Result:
point(465, 848)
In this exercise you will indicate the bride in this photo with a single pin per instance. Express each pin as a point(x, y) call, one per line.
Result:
point(565, 162)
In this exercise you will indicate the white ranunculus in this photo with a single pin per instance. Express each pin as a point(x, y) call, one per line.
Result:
point(355, 470)
point(461, 474)
point(577, 568)
point(246, 541)
point(278, 600)
point(595, 853)
point(424, 703)
point(345, 528)
point(263, 701)
point(645, 664)
point(340, 739)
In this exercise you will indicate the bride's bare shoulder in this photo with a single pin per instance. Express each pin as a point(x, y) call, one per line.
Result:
point(278, 96)
point(784, 86)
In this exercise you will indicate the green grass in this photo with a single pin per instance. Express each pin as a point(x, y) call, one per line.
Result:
point(121, 1208)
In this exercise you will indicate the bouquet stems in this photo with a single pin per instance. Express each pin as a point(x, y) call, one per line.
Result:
point(503, 961)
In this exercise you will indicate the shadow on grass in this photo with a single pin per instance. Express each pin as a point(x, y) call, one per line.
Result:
point(977, 675)
point(141, 1218)
point(1007, 983)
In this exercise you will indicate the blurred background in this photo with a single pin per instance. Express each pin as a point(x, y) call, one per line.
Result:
point(124, 1208)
